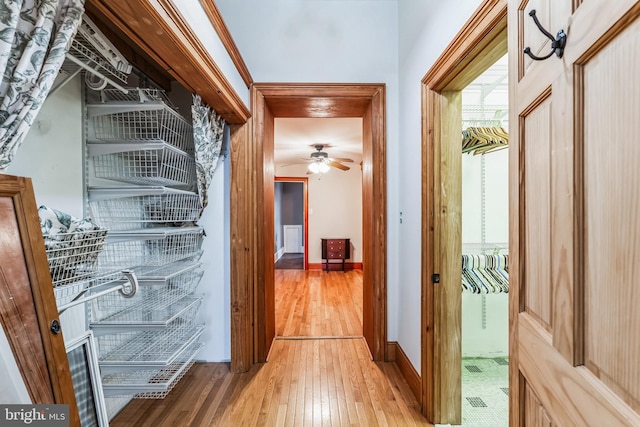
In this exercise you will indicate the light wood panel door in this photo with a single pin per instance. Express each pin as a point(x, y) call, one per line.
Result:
point(574, 219)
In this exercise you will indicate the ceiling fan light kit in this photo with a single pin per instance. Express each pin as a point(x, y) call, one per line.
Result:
point(319, 167)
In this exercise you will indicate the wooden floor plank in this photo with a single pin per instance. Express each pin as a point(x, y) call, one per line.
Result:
point(316, 303)
point(310, 381)
point(237, 399)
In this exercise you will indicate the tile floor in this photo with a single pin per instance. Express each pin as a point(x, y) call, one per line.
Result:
point(485, 392)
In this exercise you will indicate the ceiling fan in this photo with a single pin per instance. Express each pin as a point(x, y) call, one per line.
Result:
point(319, 161)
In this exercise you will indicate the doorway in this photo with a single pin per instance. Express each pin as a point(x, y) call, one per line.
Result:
point(480, 43)
point(485, 237)
point(291, 224)
point(253, 330)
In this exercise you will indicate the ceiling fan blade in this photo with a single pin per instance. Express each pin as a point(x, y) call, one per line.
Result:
point(296, 163)
point(339, 166)
point(341, 159)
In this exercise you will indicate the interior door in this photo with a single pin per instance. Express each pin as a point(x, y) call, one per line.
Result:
point(292, 238)
point(574, 218)
point(28, 311)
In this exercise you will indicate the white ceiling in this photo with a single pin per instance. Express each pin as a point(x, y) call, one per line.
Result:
point(294, 138)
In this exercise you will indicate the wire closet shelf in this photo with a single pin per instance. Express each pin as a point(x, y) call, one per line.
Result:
point(154, 305)
point(140, 115)
point(151, 247)
point(143, 164)
point(132, 208)
point(150, 383)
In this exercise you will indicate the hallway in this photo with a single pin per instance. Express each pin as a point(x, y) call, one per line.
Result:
point(314, 303)
point(307, 381)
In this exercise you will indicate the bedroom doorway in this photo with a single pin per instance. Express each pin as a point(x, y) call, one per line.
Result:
point(291, 229)
point(270, 101)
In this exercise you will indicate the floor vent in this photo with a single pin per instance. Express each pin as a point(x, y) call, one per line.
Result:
point(473, 368)
point(476, 402)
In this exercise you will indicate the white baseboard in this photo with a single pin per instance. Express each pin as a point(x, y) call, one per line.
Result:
point(278, 254)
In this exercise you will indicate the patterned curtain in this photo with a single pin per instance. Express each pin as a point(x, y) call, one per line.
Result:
point(35, 35)
point(208, 135)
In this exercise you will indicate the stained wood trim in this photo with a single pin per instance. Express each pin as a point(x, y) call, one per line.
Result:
point(429, 242)
point(516, 232)
point(406, 368)
point(213, 13)
point(335, 266)
point(270, 100)
point(447, 293)
point(378, 235)
point(241, 245)
point(161, 32)
point(42, 358)
point(480, 42)
point(305, 184)
point(487, 23)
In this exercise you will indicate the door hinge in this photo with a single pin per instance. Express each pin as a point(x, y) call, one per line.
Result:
point(435, 278)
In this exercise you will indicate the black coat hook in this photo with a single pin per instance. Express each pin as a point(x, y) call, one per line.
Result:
point(557, 43)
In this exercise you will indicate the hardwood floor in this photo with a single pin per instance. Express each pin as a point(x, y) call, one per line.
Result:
point(316, 303)
point(310, 382)
point(306, 382)
point(290, 261)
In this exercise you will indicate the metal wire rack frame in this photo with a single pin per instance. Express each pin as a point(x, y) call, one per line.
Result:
point(154, 313)
point(161, 275)
point(150, 293)
point(138, 95)
point(150, 383)
point(130, 208)
point(73, 256)
point(143, 164)
point(84, 48)
point(147, 348)
point(485, 248)
point(151, 247)
point(101, 279)
point(149, 121)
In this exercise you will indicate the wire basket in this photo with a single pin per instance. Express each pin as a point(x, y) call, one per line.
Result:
point(132, 208)
point(151, 247)
point(73, 256)
point(148, 297)
point(150, 383)
point(158, 122)
point(157, 348)
point(151, 313)
point(156, 164)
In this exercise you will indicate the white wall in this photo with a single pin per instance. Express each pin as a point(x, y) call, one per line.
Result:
point(215, 309)
point(335, 208)
point(425, 29)
point(51, 154)
point(329, 41)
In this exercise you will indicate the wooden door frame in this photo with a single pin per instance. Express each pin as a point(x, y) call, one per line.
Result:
point(252, 281)
point(305, 209)
point(28, 306)
point(479, 44)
